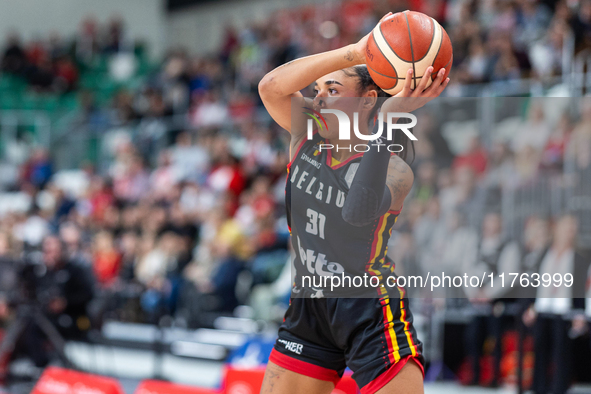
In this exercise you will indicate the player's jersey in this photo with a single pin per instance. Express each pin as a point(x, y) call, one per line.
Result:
point(324, 244)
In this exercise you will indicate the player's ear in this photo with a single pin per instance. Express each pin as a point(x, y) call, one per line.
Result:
point(369, 99)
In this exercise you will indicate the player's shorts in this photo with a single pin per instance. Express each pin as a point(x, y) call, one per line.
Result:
point(374, 337)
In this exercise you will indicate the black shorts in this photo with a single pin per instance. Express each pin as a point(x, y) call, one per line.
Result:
point(374, 337)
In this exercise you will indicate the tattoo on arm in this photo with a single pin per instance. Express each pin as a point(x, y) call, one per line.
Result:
point(349, 56)
point(399, 181)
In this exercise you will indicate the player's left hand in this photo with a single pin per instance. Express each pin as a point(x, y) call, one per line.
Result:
point(409, 100)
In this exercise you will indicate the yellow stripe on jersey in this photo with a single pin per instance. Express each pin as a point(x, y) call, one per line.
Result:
point(392, 333)
point(411, 344)
point(376, 252)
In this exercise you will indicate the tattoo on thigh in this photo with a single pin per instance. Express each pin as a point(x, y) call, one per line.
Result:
point(272, 375)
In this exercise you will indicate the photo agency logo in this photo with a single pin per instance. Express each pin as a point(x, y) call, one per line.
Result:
point(374, 140)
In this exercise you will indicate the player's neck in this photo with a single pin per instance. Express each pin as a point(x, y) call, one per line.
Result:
point(343, 150)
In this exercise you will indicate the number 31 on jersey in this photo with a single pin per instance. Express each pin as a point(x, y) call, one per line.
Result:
point(315, 225)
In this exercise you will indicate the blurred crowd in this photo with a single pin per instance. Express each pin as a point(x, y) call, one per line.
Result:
point(52, 63)
point(189, 222)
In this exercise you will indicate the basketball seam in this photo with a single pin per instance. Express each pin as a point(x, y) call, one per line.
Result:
point(386, 76)
point(431, 43)
point(390, 46)
point(438, 49)
point(390, 77)
point(412, 53)
point(447, 64)
point(384, 56)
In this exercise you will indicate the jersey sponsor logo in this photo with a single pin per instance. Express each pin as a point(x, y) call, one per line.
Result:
point(303, 181)
point(292, 346)
point(316, 263)
point(307, 158)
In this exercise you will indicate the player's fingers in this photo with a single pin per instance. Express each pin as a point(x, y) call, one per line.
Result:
point(385, 16)
point(442, 87)
point(406, 89)
point(436, 84)
point(424, 80)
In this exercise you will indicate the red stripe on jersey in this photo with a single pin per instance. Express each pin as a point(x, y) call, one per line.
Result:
point(383, 379)
point(303, 368)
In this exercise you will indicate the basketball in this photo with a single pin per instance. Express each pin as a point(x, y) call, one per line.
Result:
point(407, 40)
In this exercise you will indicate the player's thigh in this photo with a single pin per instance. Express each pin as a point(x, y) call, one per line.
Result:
point(409, 380)
point(279, 380)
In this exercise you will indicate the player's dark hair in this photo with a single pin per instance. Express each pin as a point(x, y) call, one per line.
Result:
point(365, 83)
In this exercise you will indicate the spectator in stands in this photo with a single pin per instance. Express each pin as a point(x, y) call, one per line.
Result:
point(38, 169)
point(496, 255)
point(164, 178)
point(133, 182)
point(536, 242)
point(475, 157)
point(581, 24)
point(72, 237)
point(433, 146)
point(67, 287)
point(425, 186)
point(64, 290)
point(532, 21)
point(554, 151)
point(464, 194)
point(114, 36)
point(553, 306)
point(503, 63)
point(546, 55)
point(87, 40)
point(191, 160)
point(579, 147)
point(152, 269)
point(220, 257)
point(501, 167)
point(66, 75)
point(106, 262)
point(14, 59)
point(209, 110)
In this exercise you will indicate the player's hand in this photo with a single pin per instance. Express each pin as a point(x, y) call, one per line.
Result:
point(409, 100)
point(360, 47)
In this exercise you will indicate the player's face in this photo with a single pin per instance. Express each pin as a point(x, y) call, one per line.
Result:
point(336, 91)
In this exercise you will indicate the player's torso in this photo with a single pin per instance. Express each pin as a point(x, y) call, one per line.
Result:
point(324, 244)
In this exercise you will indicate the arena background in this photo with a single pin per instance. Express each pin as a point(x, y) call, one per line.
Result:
point(133, 132)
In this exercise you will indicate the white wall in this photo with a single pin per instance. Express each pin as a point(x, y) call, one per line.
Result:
point(200, 28)
point(144, 19)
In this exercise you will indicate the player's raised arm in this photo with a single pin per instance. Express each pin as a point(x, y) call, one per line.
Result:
point(382, 182)
point(280, 85)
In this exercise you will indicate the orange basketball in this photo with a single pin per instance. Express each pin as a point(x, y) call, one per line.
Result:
point(407, 40)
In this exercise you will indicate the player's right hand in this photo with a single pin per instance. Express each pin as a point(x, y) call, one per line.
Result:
point(409, 100)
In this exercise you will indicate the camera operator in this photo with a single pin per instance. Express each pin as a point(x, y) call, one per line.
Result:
point(63, 290)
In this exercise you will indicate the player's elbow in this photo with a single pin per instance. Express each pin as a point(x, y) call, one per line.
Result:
point(358, 213)
point(267, 87)
point(353, 220)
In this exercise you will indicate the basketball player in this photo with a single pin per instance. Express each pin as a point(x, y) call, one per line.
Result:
point(320, 337)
